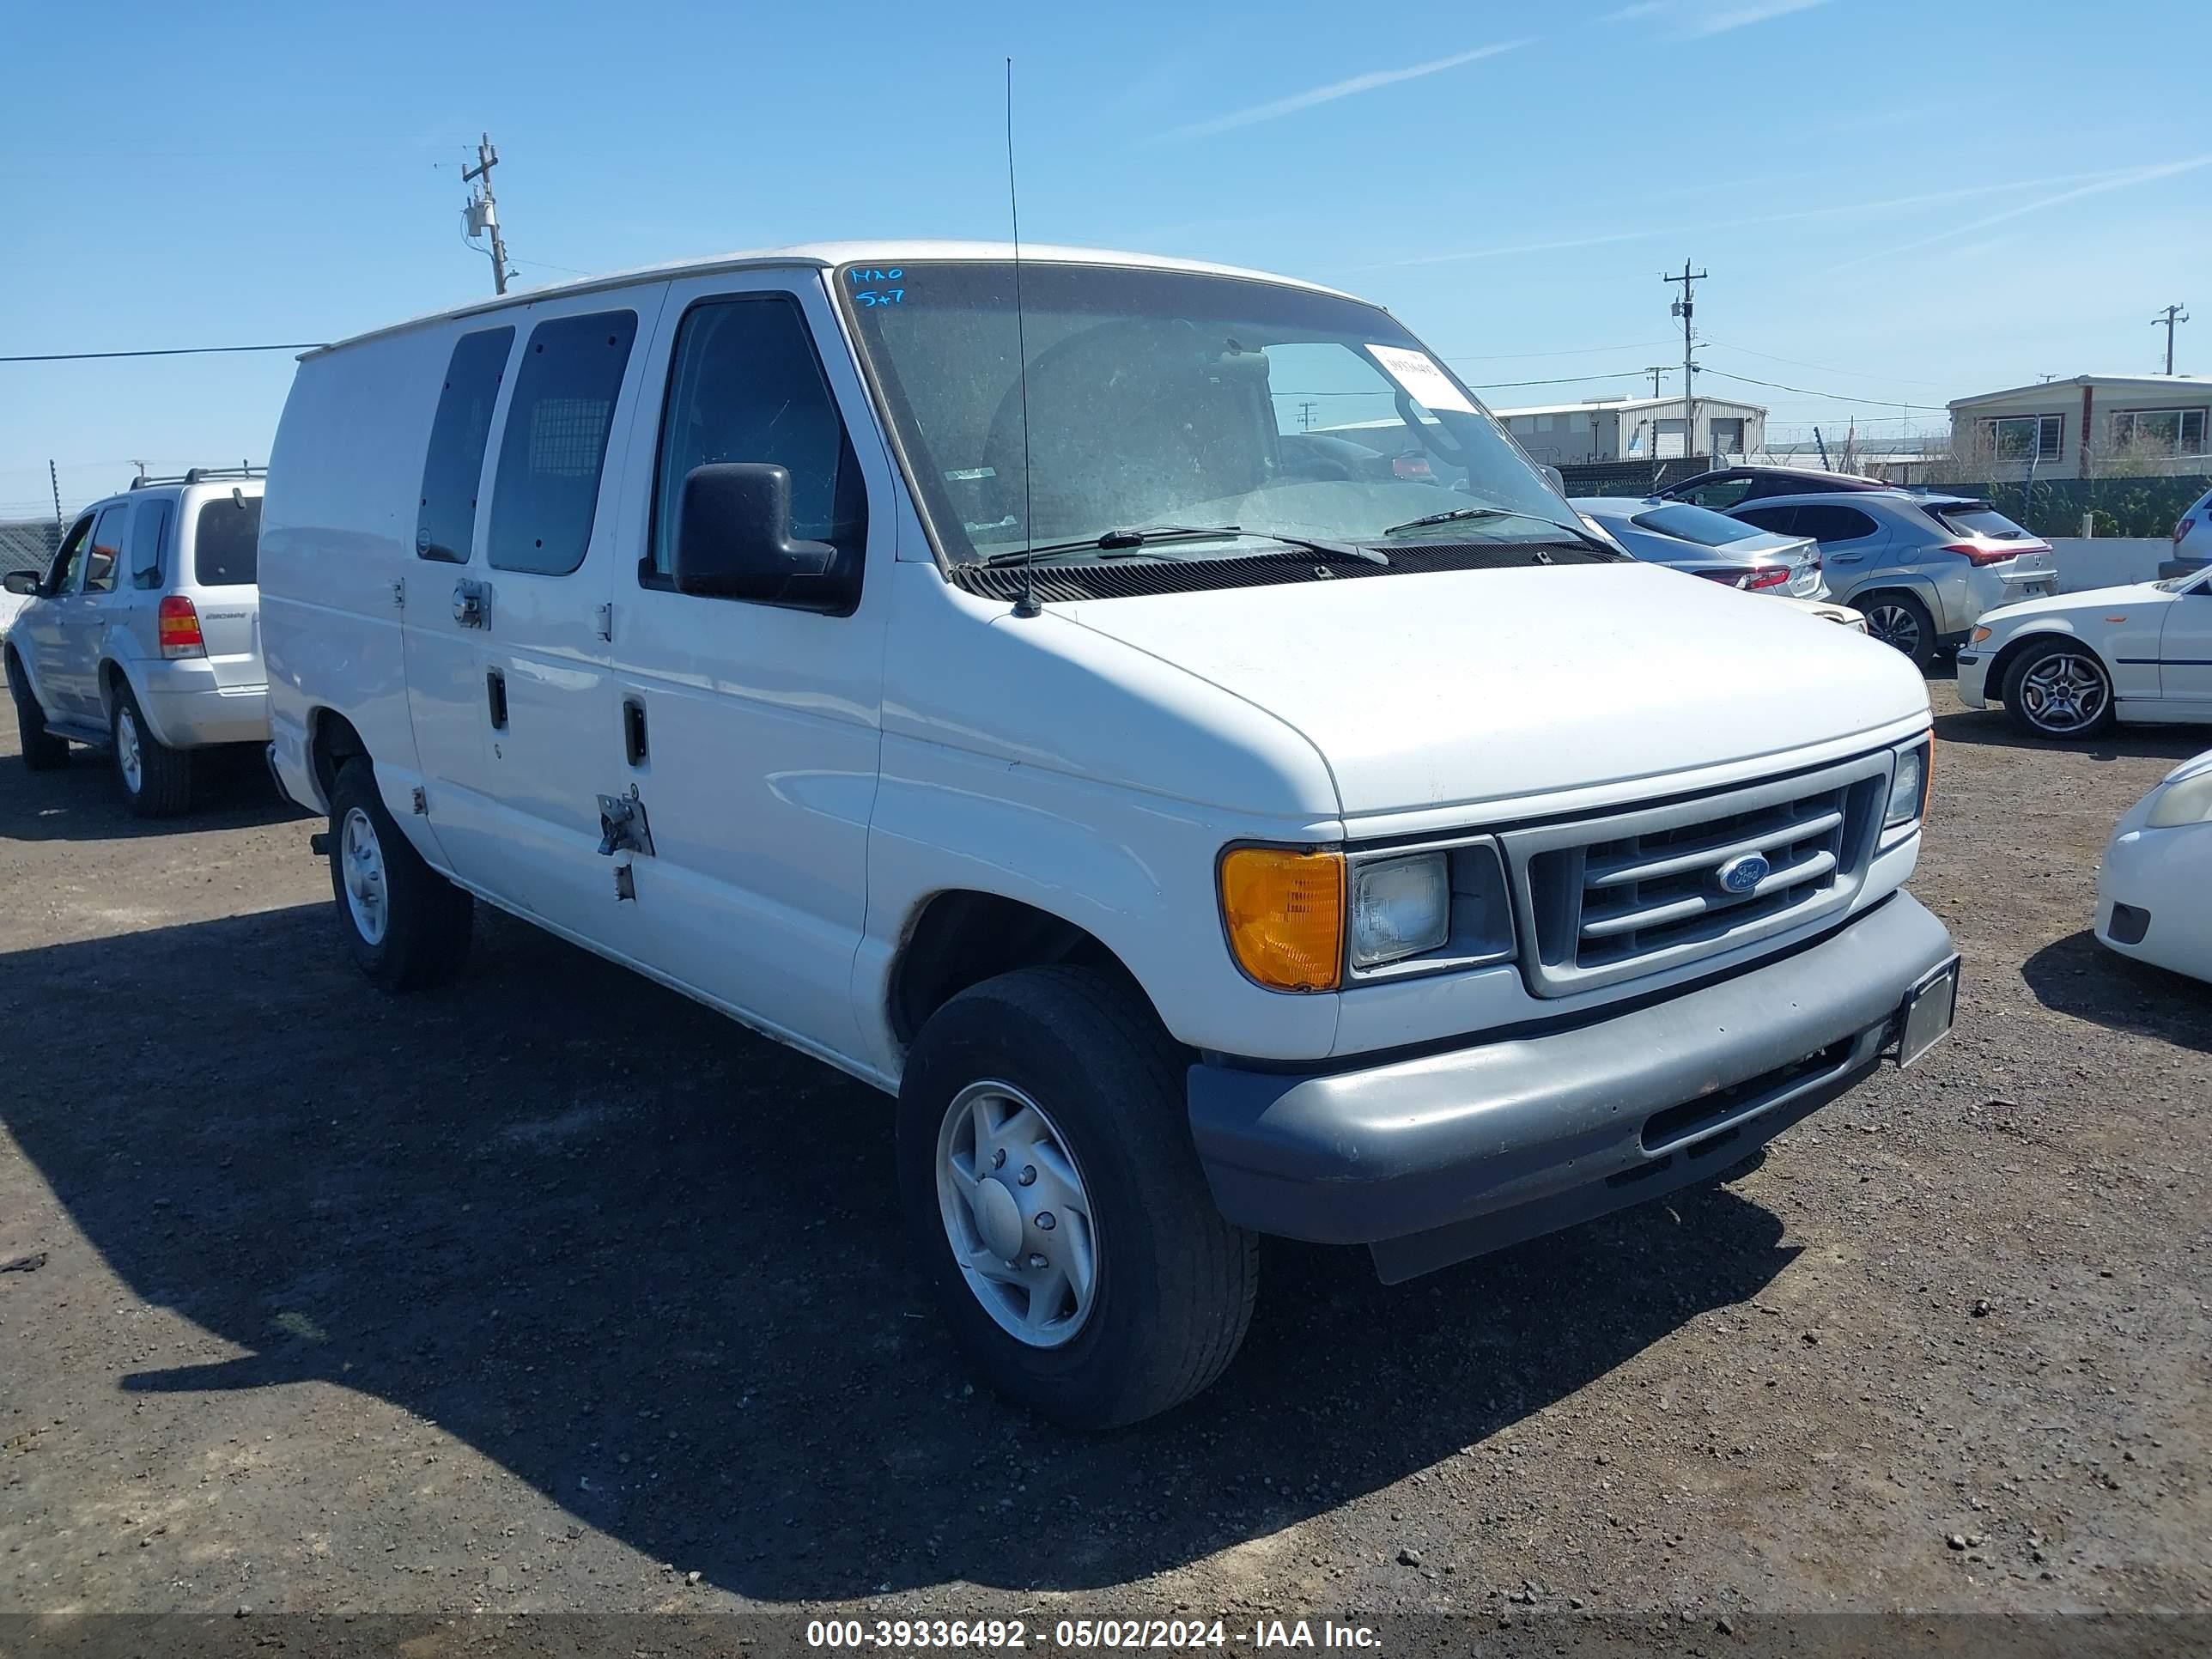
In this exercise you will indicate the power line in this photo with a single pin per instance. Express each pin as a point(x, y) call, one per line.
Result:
point(1814, 391)
point(1799, 362)
point(160, 351)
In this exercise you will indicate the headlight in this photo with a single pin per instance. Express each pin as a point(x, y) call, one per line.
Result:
point(1400, 908)
point(1908, 784)
point(2189, 801)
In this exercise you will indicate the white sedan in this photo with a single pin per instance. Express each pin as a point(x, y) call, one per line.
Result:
point(2154, 882)
point(2069, 665)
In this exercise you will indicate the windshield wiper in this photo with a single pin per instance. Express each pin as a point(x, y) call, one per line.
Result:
point(1120, 543)
point(1459, 513)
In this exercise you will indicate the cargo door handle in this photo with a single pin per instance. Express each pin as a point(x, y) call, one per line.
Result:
point(634, 747)
point(495, 696)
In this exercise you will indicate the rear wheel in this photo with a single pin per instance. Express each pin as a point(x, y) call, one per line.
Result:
point(42, 749)
point(157, 780)
point(1047, 1176)
point(406, 926)
point(1901, 622)
point(2058, 688)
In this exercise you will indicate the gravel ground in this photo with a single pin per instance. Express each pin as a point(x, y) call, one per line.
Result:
point(559, 1293)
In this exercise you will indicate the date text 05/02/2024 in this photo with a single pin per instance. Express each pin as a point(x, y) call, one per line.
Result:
point(1083, 1635)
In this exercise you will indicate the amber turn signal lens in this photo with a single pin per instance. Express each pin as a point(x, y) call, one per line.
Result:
point(1284, 913)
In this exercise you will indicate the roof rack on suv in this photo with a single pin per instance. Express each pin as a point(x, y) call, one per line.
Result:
point(201, 474)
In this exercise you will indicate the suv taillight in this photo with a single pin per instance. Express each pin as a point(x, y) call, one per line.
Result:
point(179, 626)
point(1991, 553)
point(1751, 580)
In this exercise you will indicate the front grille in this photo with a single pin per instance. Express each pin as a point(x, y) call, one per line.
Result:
point(1615, 898)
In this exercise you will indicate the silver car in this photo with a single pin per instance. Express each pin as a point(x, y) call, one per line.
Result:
point(144, 635)
point(1709, 544)
point(1923, 567)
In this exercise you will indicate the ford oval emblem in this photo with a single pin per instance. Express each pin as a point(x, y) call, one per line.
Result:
point(1743, 872)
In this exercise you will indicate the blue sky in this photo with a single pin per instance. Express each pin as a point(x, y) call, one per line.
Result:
point(1899, 203)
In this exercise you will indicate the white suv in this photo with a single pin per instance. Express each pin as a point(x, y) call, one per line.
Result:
point(144, 635)
point(947, 668)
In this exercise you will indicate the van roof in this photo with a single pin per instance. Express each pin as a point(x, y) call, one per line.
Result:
point(822, 256)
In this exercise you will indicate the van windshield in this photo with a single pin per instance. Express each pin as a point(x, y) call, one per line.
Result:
point(1163, 398)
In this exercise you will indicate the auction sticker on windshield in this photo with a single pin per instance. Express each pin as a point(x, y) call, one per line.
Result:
point(1426, 383)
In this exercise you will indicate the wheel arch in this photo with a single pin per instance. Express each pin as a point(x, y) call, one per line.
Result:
point(2000, 665)
point(1919, 588)
point(959, 937)
point(332, 740)
point(113, 675)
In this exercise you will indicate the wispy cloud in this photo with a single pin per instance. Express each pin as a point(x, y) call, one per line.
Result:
point(1369, 82)
point(2088, 182)
point(1695, 19)
point(2126, 178)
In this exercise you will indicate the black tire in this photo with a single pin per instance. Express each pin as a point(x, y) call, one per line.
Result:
point(156, 781)
point(42, 749)
point(1173, 1281)
point(1900, 621)
point(427, 921)
point(2085, 708)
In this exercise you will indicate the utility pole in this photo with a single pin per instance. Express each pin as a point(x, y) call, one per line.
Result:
point(1655, 373)
point(482, 210)
point(1682, 309)
point(2165, 320)
point(1305, 417)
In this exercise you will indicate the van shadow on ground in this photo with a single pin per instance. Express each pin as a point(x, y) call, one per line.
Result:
point(652, 1265)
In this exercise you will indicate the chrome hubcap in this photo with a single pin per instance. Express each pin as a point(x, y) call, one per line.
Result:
point(2064, 693)
point(128, 760)
point(1017, 1214)
point(361, 866)
point(1893, 625)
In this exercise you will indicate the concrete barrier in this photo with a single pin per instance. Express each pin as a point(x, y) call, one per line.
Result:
point(2108, 562)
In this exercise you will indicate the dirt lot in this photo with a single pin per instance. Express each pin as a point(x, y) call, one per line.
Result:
point(557, 1293)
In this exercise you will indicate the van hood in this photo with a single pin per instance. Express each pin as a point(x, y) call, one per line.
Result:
point(1466, 686)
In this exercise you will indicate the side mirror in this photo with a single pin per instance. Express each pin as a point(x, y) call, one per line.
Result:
point(1551, 473)
point(25, 582)
point(733, 540)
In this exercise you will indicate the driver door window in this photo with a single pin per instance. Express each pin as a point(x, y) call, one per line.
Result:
point(105, 555)
point(745, 385)
point(68, 563)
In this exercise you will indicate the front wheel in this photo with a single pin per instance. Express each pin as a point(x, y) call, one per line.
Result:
point(42, 749)
point(2058, 688)
point(405, 925)
point(1048, 1179)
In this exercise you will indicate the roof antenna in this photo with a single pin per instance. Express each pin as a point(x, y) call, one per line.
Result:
point(1027, 604)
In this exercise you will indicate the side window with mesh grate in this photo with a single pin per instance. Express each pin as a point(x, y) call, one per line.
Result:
point(546, 495)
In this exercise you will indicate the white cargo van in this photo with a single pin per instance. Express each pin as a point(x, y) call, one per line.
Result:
point(967, 675)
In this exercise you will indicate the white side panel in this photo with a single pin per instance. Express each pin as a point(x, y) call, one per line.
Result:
point(763, 729)
point(337, 531)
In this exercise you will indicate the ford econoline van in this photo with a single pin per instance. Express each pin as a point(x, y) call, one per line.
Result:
point(958, 670)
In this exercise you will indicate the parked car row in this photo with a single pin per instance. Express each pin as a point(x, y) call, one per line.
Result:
point(1203, 832)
